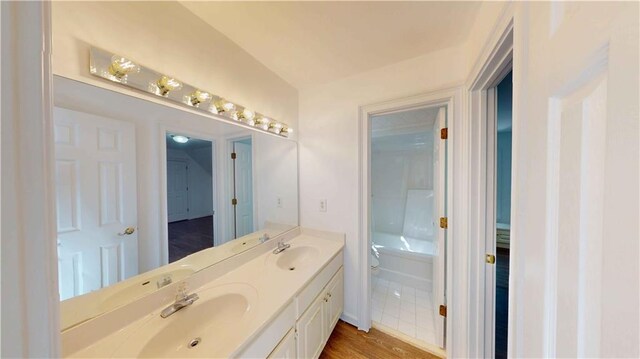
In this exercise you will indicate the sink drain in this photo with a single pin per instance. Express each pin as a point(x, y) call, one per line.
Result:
point(194, 342)
point(292, 268)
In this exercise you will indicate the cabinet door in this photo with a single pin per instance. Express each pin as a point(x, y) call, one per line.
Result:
point(286, 349)
point(335, 301)
point(312, 329)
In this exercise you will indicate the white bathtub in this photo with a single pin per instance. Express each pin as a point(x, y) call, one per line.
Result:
point(405, 260)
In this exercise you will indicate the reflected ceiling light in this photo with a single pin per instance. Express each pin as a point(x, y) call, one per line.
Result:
point(121, 67)
point(180, 138)
point(167, 84)
point(198, 97)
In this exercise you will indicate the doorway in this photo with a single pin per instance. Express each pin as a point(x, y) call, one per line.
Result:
point(190, 204)
point(503, 133)
point(407, 179)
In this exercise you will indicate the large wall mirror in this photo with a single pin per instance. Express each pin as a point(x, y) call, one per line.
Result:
point(147, 194)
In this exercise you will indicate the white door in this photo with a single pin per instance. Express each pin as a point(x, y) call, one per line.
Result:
point(576, 182)
point(439, 190)
point(177, 190)
point(96, 201)
point(243, 182)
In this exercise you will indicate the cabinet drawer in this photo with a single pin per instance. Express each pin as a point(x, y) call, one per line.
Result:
point(313, 289)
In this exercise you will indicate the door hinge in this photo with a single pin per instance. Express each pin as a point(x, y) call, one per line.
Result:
point(187, 209)
point(233, 155)
point(234, 201)
point(443, 310)
point(443, 222)
point(490, 258)
point(444, 133)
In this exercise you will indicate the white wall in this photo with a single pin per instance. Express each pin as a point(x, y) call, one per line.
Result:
point(329, 144)
point(199, 179)
point(398, 165)
point(168, 38)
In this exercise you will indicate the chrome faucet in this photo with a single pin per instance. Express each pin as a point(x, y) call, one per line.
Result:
point(264, 238)
point(281, 247)
point(182, 300)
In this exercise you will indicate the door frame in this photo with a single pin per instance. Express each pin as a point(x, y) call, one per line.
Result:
point(495, 62)
point(164, 217)
point(451, 99)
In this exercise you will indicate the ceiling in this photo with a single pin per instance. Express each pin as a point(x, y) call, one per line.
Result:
point(310, 43)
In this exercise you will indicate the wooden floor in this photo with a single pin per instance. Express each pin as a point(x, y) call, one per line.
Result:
point(347, 341)
point(190, 236)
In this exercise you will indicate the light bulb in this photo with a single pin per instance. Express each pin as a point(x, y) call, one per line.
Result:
point(121, 67)
point(180, 138)
point(263, 122)
point(275, 127)
point(198, 97)
point(166, 84)
point(223, 106)
point(247, 116)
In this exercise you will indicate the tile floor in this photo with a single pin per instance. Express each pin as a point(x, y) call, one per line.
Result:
point(403, 308)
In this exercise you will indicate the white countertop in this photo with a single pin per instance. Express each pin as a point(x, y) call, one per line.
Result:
point(275, 289)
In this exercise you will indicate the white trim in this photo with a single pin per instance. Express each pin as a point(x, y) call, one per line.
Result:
point(491, 67)
point(455, 292)
point(30, 300)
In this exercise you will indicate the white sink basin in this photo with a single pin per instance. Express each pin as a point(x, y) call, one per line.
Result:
point(296, 257)
point(199, 330)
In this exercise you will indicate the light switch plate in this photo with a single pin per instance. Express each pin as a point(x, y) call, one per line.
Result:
point(323, 205)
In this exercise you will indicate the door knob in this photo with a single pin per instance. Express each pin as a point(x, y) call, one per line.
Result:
point(127, 231)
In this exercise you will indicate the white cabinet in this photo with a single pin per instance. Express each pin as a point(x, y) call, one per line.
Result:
point(334, 302)
point(286, 349)
point(302, 329)
point(316, 324)
point(312, 329)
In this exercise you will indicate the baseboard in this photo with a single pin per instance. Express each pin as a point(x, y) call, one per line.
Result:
point(431, 348)
point(349, 318)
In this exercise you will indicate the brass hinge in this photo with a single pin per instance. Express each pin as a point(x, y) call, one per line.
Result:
point(490, 258)
point(444, 133)
point(443, 310)
point(233, 155)
point(443, 222)
point(234, 201)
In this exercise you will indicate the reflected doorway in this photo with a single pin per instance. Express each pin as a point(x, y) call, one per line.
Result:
point(190, 193)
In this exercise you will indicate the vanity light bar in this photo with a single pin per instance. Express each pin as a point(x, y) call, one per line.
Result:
point(126, 72)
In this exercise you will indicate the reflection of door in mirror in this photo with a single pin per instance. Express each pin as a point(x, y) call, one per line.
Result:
point(242, 187)
point(96, 201)
point(190, 205)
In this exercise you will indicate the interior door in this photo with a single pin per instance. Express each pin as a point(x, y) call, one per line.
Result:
point(576, 179)
point(243, 188)
point(439, 187)
point(177, 190)
point(96, 201)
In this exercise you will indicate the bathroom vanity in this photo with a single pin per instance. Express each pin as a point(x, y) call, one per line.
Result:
point(254, 305)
